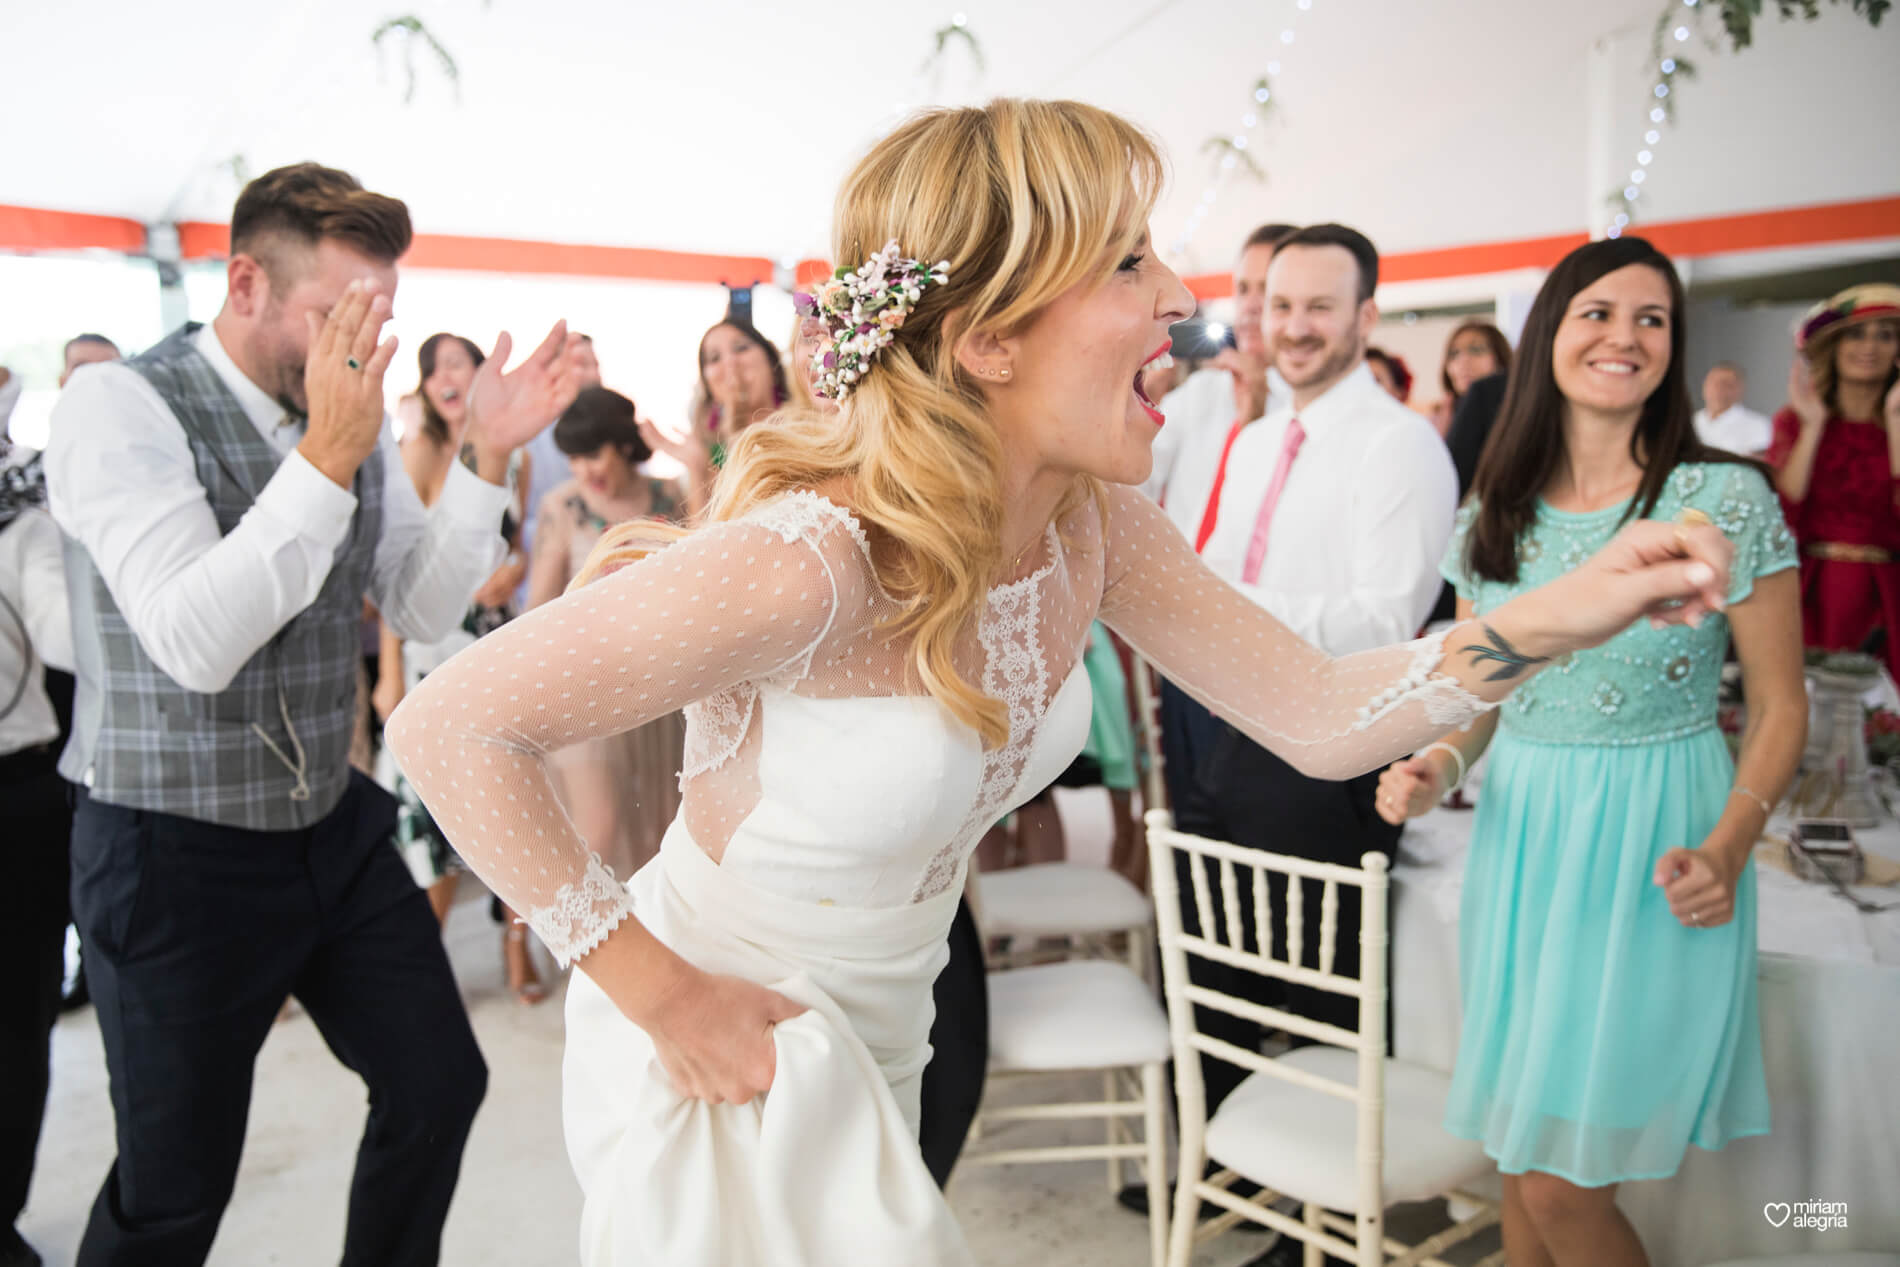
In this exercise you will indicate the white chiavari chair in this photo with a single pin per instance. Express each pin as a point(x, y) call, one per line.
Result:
point(1336, 1126)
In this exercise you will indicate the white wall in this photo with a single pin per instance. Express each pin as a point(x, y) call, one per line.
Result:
point(1425, 129)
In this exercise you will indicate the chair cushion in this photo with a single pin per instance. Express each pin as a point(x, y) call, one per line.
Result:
point(1300, 1142)
point(1084, 1014)
point(1051, 899)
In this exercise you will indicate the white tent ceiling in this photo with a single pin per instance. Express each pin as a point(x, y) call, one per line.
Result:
point(723, 126)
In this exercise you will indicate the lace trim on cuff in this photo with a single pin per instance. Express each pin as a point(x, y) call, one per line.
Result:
point(1446, 701)
point(582, 913)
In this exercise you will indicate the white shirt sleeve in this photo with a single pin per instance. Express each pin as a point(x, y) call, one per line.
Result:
point(1167, 447)
point(48, 618)
point(1186, 409)
point(122, 482)
point(429, 563)
point(1404, 499)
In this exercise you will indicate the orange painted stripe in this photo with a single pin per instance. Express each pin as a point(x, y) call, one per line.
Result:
point(36, 229)
point(1766, 230)
point(1492, 257)
point(517, 255)
point(200, 241)
point(1871, 218)
point(1206, 286)
point(506, 255)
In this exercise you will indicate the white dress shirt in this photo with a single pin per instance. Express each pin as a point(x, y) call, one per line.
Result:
point(122, 482)
point(1199, 413)
point(1738, 429)
point(1355, 541)
point(35, 629)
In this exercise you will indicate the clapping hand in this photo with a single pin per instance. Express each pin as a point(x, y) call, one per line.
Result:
point(694, 453)
point(1806, 402)
point(1699, 886)
point(506, 410)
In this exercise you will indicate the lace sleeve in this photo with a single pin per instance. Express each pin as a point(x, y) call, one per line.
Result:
point(1329, 718)
point(732, 603)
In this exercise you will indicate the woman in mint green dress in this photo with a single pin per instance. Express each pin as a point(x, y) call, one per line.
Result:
point(1608, 927)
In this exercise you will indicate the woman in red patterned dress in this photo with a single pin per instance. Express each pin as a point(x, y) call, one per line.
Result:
point(1836, 455)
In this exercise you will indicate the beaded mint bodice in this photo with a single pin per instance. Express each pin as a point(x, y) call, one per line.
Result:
point(1644, 685)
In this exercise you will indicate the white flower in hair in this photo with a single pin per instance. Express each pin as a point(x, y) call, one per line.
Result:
point(863, 308)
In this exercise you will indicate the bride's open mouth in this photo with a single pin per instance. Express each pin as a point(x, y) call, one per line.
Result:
point(1160, 360)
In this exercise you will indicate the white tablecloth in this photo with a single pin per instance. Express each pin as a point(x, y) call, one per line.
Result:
point(1830, 1016)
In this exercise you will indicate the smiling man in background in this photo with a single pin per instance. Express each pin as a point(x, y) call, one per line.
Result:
point(1333, 516)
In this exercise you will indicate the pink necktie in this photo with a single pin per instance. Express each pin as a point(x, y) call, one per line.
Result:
point(1257, 548)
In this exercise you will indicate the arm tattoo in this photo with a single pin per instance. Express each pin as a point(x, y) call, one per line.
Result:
point(1511, 661)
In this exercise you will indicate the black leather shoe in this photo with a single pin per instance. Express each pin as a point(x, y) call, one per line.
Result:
point(15, 1252)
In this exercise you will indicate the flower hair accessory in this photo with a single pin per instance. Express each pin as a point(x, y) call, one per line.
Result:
point(863, 308)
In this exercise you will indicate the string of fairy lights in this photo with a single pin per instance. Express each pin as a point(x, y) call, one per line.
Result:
point(1673, 30)
point(1233, 149)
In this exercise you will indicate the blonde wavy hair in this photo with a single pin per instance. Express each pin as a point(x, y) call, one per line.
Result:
point(798, 373)
point(1026, 200)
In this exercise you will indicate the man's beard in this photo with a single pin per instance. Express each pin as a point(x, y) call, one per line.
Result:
point(282, 365)
point(1341, 359)
point(294, 405)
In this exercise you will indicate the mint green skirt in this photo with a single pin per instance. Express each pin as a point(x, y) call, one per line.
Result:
point(1601, 1037)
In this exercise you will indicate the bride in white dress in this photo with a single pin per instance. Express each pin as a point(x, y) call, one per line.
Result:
point(877, 639)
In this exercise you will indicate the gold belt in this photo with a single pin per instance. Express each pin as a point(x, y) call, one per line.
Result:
point(1841, 552)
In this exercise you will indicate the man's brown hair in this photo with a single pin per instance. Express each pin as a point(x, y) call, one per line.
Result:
point(1269, 235)
point(306, 203)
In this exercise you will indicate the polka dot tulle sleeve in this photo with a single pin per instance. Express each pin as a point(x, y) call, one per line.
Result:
point(732, 604)
point(1331, 718)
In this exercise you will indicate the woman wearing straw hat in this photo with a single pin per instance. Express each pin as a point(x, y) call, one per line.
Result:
point(1838, 468)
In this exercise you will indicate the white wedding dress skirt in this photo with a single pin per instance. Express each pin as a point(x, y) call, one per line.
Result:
point(824, 1170)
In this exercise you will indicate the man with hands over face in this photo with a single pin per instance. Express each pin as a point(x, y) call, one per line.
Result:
point(229, 497)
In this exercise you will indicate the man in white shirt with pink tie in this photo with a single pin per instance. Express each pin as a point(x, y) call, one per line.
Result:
point(1333, 515)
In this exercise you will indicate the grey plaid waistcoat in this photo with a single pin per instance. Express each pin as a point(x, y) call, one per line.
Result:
point(270, 752)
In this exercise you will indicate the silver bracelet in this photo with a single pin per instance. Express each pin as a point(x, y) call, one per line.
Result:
point(1456, 755)
point(1767, 810)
